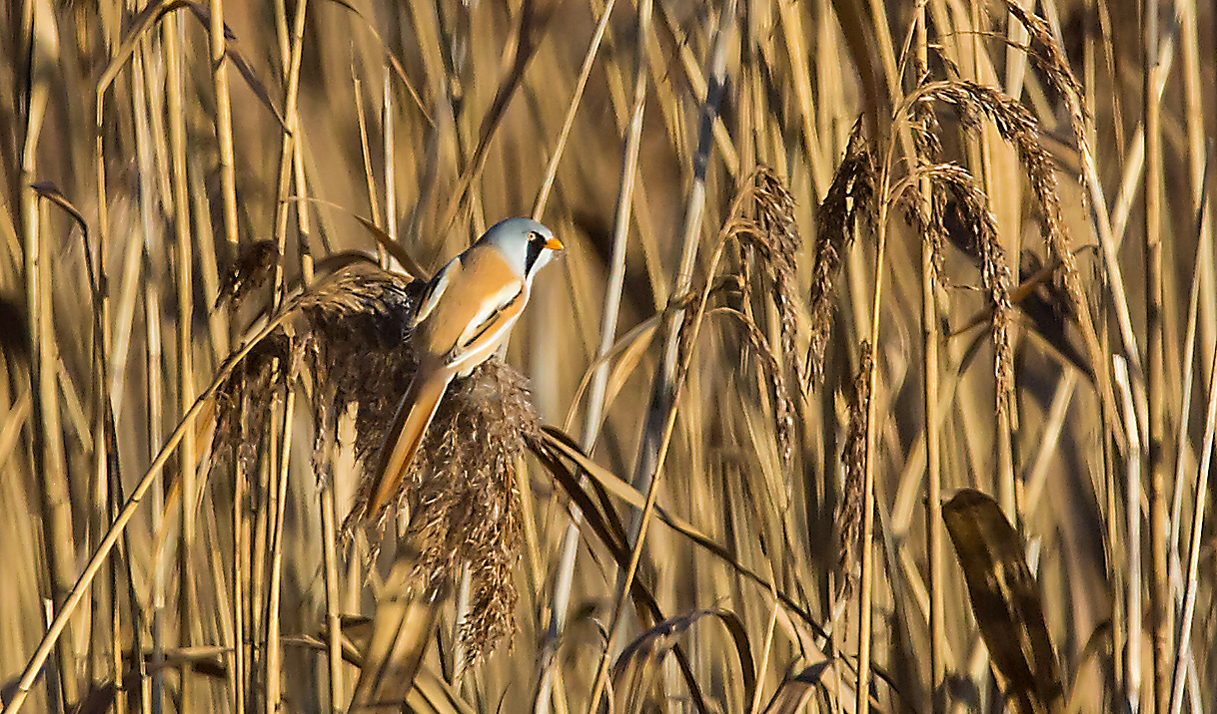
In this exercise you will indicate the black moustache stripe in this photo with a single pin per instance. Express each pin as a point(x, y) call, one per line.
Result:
point(535, 246)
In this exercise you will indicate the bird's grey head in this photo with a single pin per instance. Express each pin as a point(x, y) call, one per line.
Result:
point(526, 244)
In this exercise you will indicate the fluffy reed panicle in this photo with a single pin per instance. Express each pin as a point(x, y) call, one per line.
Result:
point(848, 520)
point(777, 243)
point(953, 186)
point(243, 402)
point(1047, 54)
point(770, 231)
point(249, 270)
point(460, 494)
point(1019, 128)
point(850, 199)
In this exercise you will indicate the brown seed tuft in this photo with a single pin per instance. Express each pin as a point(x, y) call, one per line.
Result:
point(770, 231)
point(850, 199)
point(248, 272)
point(954, 187)
point(1047, 54)
point(853, 456)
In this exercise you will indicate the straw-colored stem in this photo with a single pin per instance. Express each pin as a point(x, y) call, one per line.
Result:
point(1193, 92)
point(333, 621)
point(1132, 514)
point(390, 165)
point(287, 151)
point(564, 574)
point(223, 121)
point(933, 474)
point(274, 645)
point(866, 540)
point(47, 439)
point(551, 171)
point(183, 280)
point(22, 689)
point(1183, 652)
point(154, 406)
point(657, 436)
point(1156, 465)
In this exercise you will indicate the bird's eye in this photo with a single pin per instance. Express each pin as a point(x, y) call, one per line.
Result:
point(533, 236)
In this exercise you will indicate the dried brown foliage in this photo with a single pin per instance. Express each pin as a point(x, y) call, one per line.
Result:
point(1006, 601)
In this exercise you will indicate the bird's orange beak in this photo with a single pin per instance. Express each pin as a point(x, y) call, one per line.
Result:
point(554, 244)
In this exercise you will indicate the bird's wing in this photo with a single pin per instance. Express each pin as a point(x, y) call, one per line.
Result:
point(485, 335)
point(435, 290)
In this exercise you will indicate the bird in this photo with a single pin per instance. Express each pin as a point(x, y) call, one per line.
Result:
point(465, 316)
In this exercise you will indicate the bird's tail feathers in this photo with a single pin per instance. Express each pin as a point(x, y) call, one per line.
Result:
point(414, 415)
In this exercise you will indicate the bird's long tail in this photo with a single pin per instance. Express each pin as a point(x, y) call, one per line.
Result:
point(414, 414)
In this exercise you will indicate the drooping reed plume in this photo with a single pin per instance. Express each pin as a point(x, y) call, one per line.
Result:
point(460, 499)
point(848, 207)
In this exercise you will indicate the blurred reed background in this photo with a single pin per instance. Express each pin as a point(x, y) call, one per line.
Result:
point(987, 218)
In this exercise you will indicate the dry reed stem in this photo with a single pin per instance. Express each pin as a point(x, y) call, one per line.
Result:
point(1160, 617)
point(725, 432)
point(927, 147)
point(565, 570)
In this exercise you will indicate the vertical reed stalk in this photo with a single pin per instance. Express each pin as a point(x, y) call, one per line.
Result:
point(274, 645)
point(1191, 578)
point(1160, 620)
point(239, 671)
point(153, 701)
point(657, 431)
point(49, 465)
point(390, 165)
point(171, 32)
point(1187, 598)
point(933, 474)
point(223, 122)
point(569, 549)
point(333, 621)
point(866, 541)
point(1132, 594)
point(1193, 94)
